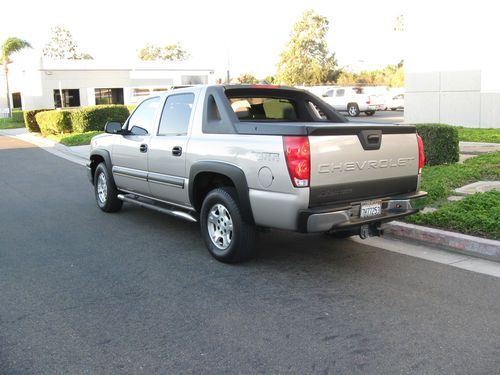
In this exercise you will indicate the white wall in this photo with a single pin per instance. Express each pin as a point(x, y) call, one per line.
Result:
point(451, 64)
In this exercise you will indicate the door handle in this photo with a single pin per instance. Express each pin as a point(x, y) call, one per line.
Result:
point(143, 148)
point(177, 151)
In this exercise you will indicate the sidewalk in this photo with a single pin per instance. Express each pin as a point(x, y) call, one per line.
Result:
point(477, 148)
point(76, 154)
point(450, 241)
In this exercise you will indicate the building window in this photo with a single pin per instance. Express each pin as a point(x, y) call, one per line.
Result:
point(70, 98)
point(194, 80)
point(16, 100)
point(140, 92)
point(109, 96)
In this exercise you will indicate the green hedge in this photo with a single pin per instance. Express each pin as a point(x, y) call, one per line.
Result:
point(440, 143)
point(30, 119)
point(131, 108)
point(95, 117)
point(54, 122)
point(17, 115)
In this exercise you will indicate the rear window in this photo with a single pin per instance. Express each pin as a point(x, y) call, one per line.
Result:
point(278, 104)
point(273, 109)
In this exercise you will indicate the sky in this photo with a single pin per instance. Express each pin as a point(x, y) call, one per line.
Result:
point(246, 37)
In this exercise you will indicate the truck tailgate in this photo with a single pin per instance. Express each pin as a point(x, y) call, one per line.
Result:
point(351, 163)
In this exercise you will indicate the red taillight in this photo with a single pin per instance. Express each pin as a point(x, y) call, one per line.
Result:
point(298, 160)
point(421, 155)
point(265, 86)
point(369, 100)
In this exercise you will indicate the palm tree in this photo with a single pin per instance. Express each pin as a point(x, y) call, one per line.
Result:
point(10, 46)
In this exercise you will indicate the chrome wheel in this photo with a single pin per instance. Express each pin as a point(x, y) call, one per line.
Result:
point(102, 188)
point(220, 226)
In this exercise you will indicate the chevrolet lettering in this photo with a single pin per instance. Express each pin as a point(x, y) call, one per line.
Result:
point(366, 164)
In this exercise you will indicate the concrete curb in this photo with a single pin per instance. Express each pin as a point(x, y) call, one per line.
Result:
point(457, 242)
point(48, 145)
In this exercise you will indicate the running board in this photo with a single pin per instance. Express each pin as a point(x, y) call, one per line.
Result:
point(180, 214)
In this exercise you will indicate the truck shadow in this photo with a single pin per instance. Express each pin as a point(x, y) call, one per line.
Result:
point(272, 246)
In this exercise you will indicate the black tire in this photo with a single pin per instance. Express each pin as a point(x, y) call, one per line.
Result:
point(393, 109)
point(227, 246)
point(107, 199)
point(370, 113)
point(353, 110)
point(344, 233)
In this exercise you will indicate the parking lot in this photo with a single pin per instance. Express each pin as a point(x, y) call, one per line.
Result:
point(380, 117)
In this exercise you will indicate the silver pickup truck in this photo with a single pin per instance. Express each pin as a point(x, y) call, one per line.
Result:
point(236, 158)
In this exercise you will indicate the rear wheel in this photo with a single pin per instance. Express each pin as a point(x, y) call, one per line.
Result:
point(106, 194)
point(353, 109)
point(370, 113)
point(227, 236)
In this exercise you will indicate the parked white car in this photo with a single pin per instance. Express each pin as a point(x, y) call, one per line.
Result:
point(353, 100)
point(396, 102)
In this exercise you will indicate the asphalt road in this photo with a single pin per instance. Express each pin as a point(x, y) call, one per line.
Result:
point(84, 292)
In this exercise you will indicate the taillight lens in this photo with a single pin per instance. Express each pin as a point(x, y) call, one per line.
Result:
point(298, 160)
point(421, 155)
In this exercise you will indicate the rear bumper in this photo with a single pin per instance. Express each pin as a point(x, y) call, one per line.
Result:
point(375, 107)
point(347, 216)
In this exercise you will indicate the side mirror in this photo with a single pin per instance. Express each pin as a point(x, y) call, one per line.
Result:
point(113, 127)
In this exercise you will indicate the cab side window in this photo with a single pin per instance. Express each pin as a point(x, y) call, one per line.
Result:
point(142, 120)
point(176, 114)
point(340, 92)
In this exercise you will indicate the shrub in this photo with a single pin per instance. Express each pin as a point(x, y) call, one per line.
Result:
point(95, 117)
point(440, 143)
point(17, 115)
point(30, 119)
point(131, 108)
point(54, 122)
point(477, 214)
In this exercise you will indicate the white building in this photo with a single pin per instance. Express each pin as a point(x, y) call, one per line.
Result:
point(39, 84)
point(452, 73)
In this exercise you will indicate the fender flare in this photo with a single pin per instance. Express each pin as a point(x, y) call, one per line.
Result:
point(234, 173)
point(107, 160)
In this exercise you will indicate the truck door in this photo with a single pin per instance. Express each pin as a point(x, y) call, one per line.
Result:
point(339, 102)
point(130, 152)
point(167, 151)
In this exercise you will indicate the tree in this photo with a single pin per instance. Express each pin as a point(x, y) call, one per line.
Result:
point(399, 23)
point(270, 80)
point(62, 46)
point(9, 47)
point(248, 79)
point(306, 58)
point(170, 52)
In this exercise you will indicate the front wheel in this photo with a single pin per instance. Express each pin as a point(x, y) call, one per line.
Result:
point(106, 194)
point(353, 109)
point(227, 236)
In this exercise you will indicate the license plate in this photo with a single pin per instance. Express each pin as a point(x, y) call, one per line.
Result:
point(370, 208)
